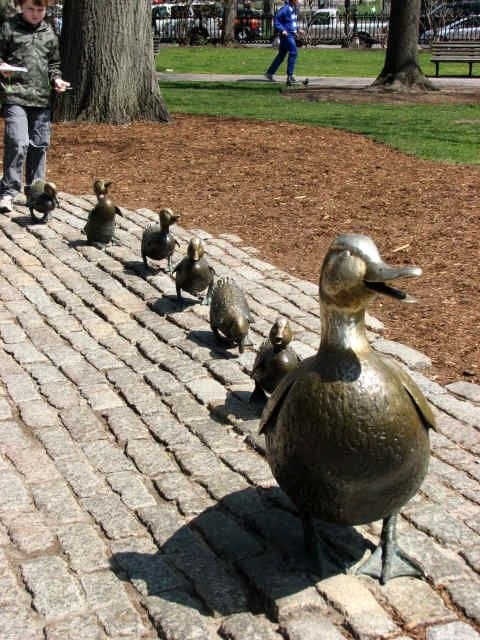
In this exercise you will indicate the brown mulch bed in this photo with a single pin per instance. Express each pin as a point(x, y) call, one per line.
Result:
point(289, 190)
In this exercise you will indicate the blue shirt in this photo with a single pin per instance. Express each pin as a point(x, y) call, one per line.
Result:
point(286, 19)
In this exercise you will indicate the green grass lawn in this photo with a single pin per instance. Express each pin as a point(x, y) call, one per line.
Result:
point(312, 61)
point(438, 132)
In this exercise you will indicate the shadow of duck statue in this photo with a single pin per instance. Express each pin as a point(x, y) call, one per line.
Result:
point(347, 431)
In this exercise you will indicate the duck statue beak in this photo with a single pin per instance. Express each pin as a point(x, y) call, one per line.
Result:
point(378, 274)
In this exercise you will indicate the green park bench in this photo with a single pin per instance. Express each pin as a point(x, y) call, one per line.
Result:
point(457, 51)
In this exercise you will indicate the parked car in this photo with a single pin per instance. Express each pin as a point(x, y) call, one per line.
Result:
point(435, 15)
point(325, 25)
point(463, 29)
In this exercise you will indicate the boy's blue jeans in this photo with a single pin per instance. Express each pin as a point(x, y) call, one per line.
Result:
point(26, 140)
point(287, 45)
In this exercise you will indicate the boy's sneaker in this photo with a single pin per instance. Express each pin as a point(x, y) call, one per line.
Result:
point(269, 77)
point(6, 204)
point(291, 80)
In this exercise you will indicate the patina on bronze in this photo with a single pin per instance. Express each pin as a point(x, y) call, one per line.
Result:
point(230, 315)
point(100, 227)
point(347, 431)
point(42, 197)
point(193, 273)
point(157, 241)
point(274, 359)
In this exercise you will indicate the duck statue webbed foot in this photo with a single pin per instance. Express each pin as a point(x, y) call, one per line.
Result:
point(389, 560)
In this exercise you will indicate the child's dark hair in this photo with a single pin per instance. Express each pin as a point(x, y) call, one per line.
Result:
point(37, 3)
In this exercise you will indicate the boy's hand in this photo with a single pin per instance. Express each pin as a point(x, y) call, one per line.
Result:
point(61, 85)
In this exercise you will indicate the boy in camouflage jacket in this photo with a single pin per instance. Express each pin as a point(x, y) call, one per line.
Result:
point(28, 41)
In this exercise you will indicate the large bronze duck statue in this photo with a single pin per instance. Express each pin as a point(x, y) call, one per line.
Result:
point(347, 431)
point(193, 273)
point(275, 358)
point(100, 227)
point(157, 241)
point(42, 197)
point(230, 315)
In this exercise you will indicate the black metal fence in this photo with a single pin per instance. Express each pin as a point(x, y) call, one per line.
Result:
point(260, 30)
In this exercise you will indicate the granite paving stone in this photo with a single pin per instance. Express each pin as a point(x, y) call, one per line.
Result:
point(83, 424)
point(116, 520)
point(14, 496)
point(38, 414)
point(30, 533)
point(126, 425)
point(57, 442)
point(84, 546)
point(55, 591)
point(68, 629)
point(452, 631)
point(311, 625)
point(21, 388)
point(107, 456)
point(57, 502)
point(418, 604)
point(150, 573)
point(81, 476)
point(14, 626)
point(284, 591)
point(226, 536)
point(5, 409)
point(131, 488)
point(61, 396)
point(464, 593)
point(101, 397)
point(135, 498)
point(190, 497)
point(120, 618)
point(150, 457)
point(246, 625)
point(365, 616)
point(34, 464)
point(212, 580)
point(177, 617)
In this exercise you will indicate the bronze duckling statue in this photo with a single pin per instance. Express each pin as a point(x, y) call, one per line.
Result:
point(193, 273)
point(274, 360)
point(347, 431)
point(157, 241)
point(100, 227)
point(42, 197)
point(230, 315)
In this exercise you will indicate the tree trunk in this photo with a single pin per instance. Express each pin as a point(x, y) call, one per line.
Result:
point(228, 35)
point(107, 56)
point(7, 9)
point(401, 69)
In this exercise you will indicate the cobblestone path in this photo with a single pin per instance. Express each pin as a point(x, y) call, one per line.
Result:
point(135, 500)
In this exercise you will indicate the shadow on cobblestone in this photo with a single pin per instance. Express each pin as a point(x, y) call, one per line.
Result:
point(248, 534)
point(23, 221)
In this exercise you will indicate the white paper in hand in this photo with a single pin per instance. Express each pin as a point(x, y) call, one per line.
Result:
point(4, 66)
